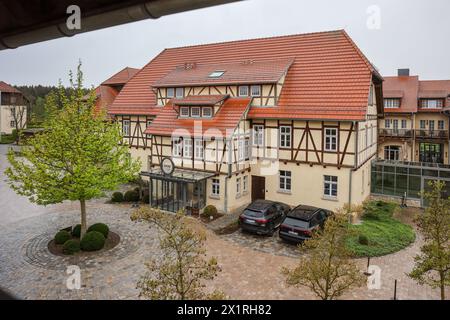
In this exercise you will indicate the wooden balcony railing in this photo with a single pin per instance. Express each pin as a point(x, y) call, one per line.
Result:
point(400, 133)
point(432, 134)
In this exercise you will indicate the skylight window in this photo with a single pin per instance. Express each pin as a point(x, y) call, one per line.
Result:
point(216, 74)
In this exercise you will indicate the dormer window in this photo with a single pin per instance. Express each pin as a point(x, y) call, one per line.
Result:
point(243, 91)
point(184, 112)
point(431, 103)
point(170, 92)
point(207, 112)
point(255, 91)
point(195, 112)
point(216, 74)
point(391, 103)
point(179, 93)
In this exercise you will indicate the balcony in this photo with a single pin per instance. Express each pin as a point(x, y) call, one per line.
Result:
point(396, 133)
point(432, 134)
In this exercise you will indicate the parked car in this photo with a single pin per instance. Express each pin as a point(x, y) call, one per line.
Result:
point(263, 216)
point(301, 222)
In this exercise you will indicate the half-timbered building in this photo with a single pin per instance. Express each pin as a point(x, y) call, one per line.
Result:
point(290, 118)
point(13, 109)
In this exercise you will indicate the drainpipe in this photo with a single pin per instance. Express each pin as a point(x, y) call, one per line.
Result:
point(228, 176)
point(355, 125)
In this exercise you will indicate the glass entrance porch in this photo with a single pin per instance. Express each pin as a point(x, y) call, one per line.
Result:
point(182, 190)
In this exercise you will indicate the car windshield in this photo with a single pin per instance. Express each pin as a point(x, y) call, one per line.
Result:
point(255, 214)
point(296, 222)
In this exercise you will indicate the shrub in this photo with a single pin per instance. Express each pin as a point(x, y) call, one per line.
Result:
point(209, 210)
point(146, 196)
point(131, 196)
point(62, 236)
point(76, 231)
point(378, 210)
point(100, 227)
point(71, 246)
point(117, 197)
point(92, 241)
point(362, 239)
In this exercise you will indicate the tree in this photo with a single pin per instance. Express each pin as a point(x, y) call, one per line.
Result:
point(77, 156)
point(432, 265)
point(326, 268)
point(183, 267)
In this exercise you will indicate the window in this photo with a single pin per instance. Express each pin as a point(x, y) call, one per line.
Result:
point(431, 103)
point(207, 112)
point(176, 151)
point(126, 128)
point(285, 136)
point(441, 124)
point(403, 124)
point(195, 112)
point(395, 124)
point(387, 123)
point(285, 180)
point(238, 186)
point(246, 148)
point(245, 184)
point(258, 135)
point(216, 74)
point(215, 187)
point(371, 95)
point(184, 112)
point(431, 125)
point(255, 91)
point(241, 150)
point(330, 186)
point(149, 122)
point(12, 124)
point(422, 124)
point(187, 148)
point(391, 153)
point(170, 92)
point(179, 92)
point(199, 149)
point(391, 103)
point(243, 91)
point(330, 139)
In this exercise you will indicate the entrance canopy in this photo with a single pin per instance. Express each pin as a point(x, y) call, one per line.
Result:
point(178, 175)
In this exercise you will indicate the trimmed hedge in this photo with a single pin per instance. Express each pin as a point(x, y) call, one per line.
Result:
point(76, 231)
point(71, 246)
point(209, 210)
point(92, 241)
point(100, 227)
point(362, 239)
point(131, 196)
point(62, 236)
point(117, 197)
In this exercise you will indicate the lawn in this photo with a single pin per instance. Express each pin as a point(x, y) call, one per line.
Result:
point(384, 233)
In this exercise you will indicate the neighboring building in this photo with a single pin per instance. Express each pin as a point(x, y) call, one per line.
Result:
point(108, 90)
point(290, 118)
point(416, 123)
point(13, 109)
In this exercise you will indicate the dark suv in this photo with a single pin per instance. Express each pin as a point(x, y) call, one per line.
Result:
point(301, 221)
point(263, 216)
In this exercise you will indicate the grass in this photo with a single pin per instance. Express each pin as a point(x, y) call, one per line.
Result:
point(385, 233)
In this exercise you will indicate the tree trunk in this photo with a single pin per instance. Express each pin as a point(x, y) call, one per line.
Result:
point(442, 286)
point(83, 218)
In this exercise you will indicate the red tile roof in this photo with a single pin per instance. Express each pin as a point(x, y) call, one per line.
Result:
point(4, 87)
point(121, 77)
point(244, 72)
point(329, 77)
point(206, 100)
point(409, 88)
point(222, 124)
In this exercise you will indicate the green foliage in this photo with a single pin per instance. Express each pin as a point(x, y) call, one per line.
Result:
point(362, 239)
point(71, 246)
point(183, 268)
point(117, 197)
point(131, 196)
point(7, 139)
point(62, 236)
point(209, 211)
point(76, 231)
point(386, 234)
point(432, 265)
point(100, 227)
point(92, 241)
point(326, 268)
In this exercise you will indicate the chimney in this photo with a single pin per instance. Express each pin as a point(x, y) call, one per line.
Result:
point(403, 72)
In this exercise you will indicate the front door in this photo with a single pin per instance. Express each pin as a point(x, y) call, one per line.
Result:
point(258, 188)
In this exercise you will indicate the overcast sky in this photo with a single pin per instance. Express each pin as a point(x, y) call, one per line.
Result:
point(412, 34)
